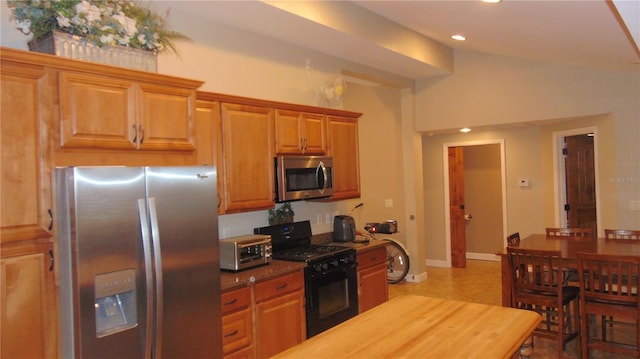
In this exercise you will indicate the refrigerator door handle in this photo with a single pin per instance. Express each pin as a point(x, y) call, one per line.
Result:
point(148, 268)
point(157, 255)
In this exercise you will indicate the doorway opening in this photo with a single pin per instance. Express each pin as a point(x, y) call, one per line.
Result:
point(576, 187)
point(459, 216)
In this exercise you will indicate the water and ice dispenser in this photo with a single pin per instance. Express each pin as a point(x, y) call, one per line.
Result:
point(115, 304)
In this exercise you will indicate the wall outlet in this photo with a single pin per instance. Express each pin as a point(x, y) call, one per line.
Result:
point(388, 203)
point(319, 219)
point(634, 205)
point(327, 218)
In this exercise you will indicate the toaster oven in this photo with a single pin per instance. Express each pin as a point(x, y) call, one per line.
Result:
point(238, 253)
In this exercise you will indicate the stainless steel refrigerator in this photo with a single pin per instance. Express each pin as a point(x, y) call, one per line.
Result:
point(138, 262)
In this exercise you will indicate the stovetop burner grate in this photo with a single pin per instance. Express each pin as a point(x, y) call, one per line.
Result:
point(309, 253)
point(292, 242)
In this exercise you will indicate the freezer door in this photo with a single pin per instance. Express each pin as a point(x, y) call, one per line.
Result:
point(183, 214)
point(102, 280)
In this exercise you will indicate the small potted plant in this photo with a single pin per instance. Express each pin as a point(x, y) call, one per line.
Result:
point(282, 214)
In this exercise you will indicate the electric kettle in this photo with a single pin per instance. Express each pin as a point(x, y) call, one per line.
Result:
point(344, 229)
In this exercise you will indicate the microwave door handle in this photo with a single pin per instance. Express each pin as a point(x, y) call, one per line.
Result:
point(325, 179)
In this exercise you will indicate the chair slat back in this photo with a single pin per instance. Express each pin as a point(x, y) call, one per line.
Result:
point(569, 232)
point(621, 234)
point(609, 278)
point(534, 270)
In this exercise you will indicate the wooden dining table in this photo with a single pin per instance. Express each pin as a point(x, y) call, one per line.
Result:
point(411, 326)
point(568, 247)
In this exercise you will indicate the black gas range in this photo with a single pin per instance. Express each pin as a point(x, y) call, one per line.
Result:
point(331, 288)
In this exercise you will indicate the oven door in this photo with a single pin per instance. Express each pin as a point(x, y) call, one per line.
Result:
point(332, 297)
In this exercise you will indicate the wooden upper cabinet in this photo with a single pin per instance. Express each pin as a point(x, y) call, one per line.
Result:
point(300, 133)
point(209, 139)
point(107, 112)
point(166, 117)
point(247, 140)
point(343, 146)
point(26, 176)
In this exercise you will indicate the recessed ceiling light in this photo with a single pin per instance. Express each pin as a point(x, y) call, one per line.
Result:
point(458, 37)
point(465, 130)
point(491, 1)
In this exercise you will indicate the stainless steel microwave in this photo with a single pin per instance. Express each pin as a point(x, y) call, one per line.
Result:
point(303, 177)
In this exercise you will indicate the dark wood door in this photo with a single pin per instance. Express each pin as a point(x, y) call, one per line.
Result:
point(580, 182)
point(456, 207)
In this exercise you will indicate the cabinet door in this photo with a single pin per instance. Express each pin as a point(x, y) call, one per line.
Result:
point(315, 133)
point(166, 118)
point(343, 146)
point(280, 323)
point(209, 141)
point(27, 302)
point(300, 133)
point(373, 286)
point(248, 157)
point(97, 112)
point(288, 132)
point(26, 178)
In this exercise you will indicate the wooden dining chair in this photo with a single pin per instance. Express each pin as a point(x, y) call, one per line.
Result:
point(569, 232)
point(622, 234)
point(537, 286)
point(609, 289)
point(513, 239)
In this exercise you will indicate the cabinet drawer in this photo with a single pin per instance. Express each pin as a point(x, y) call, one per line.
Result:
point(372, 257)
point(237, 329)
point(279, 286)
point(235, 299)
point(245, 353)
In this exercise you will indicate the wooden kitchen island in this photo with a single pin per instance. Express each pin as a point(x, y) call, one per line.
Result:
point(413, 326)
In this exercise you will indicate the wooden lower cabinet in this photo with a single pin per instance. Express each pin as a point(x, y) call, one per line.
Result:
point(237, 324)
point(28, 302)
point(373, 288)
point(280, 314)
point(262, 320)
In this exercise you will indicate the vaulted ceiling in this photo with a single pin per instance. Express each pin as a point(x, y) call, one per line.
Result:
point(412, 38)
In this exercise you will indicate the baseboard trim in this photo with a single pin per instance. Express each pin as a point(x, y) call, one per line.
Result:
point(436, 263)
point(483, 256)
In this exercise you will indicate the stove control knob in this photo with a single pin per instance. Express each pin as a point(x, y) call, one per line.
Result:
point(334, 262)
point(325, 266)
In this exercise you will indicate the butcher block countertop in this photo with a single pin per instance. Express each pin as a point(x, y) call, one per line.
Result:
point(411, 326)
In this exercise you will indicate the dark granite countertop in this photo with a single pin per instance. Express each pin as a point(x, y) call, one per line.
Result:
point(326, 238)
point(233, 280)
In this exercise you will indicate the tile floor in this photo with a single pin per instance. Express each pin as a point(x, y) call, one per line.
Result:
point(480, 283)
